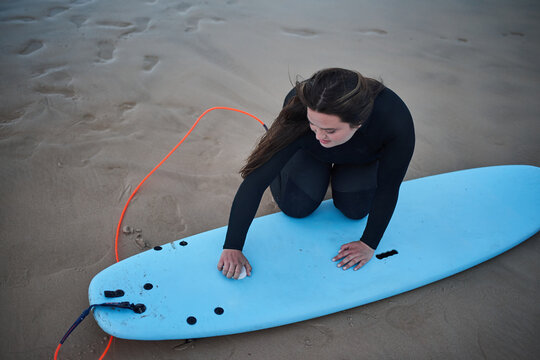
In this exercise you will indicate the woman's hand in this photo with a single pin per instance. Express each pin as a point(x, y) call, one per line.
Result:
point(354, 253)
point(231, 262)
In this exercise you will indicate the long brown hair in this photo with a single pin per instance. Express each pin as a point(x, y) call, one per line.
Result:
point(333, 91)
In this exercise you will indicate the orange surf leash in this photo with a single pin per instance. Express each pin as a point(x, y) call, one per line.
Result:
point(119, 226)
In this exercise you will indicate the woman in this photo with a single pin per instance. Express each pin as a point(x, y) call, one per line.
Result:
point(336, 128)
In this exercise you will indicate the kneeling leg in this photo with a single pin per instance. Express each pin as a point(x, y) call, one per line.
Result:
point(353, 189)
point(301, 185)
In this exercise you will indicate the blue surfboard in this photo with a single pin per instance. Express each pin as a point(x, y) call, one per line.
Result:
point(442, 225)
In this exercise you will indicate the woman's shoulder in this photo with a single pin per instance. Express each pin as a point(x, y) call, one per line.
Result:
point(388, 100)
point(389, 112)
point(389, 117)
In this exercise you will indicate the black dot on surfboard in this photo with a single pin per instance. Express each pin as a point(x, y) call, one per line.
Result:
point(157, 248)
point(114, 293)
point(139, 308)
point(148, 286)
point(183, 243)
point(219, 311)
point(191, 320)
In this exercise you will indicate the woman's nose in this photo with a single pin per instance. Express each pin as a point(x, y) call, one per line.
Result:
point(319, 135)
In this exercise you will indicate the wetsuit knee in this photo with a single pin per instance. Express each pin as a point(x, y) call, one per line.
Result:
point(300, 187)
point(298, 211)
point(354, 205)
point(353, 213)
point(297, 204)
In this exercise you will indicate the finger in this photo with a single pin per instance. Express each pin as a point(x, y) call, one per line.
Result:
point(232, 270)
point(345, 259)
point(343, 247)
point(220, 265)
point(248, 268)
point(341, 255)
point(350, 262)
point(225, 269)
point(342, 263)
point(237, 272)
point(360, 264)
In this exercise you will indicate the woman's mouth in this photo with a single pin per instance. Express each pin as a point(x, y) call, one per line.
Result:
point(324, 142)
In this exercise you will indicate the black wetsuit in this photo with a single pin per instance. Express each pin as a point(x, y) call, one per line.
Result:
point(365, 172)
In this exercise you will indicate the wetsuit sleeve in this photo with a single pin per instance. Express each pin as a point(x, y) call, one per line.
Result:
point(393, 163)
point(249, 194)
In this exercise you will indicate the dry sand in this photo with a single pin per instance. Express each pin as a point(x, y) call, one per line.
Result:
point(95, 92)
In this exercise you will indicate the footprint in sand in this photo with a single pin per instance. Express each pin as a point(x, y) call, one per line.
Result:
point(193, 22)
point(317, 336)
point(127, 106)
point(183, 7)
point(165, 212)
point(78, 20)
point(31, 46)
point(92, 123)
point(141, 24)
point(513, 33)
point(46, 70)
point(56, 10)
point(303, 32)
point(138, 25)
point(55, 90)
point(55, 83)
point(114, 23)
point(20, 18)
point(372, 32)
point(7, 116)
point(88, 117)
point(105, 50)
point(150, 62)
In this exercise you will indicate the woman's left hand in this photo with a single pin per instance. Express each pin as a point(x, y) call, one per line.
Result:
point(354, 253)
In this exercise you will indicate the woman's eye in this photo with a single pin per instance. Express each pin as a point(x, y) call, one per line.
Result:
point(331, 131)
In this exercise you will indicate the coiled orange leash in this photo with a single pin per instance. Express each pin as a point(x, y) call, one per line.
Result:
point(124, 304)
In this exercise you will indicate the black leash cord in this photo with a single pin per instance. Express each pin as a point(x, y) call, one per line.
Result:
point(137, 308)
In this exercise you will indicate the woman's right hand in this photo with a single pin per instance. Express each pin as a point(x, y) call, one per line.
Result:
point(231, 262)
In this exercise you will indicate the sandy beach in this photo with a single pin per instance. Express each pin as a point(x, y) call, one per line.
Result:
point(94, 93)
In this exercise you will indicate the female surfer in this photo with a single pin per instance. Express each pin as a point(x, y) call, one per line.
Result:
point(336, 128)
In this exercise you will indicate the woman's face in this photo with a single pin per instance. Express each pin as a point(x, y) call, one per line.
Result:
point(329, 129)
